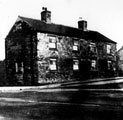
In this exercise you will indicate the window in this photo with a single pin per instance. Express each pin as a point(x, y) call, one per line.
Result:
point(75, 64)
point(53, 64)
point(19, 67)
point(75, 45)
point(93, 64)
point(109, 65)
point(16, 67)
point(108, 48)
point(19, 26)
point(92, 47)
point(52, 42)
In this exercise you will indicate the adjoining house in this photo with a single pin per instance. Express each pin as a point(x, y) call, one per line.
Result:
point(120, 61)
point(39, 51)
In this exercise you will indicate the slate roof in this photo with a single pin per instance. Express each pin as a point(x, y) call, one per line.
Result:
point(65, 30)
point(96, 36)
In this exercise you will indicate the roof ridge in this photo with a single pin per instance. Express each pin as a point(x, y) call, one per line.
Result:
point(63, 30)
point(47, 23)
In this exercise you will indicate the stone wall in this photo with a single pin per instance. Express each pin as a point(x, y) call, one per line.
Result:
point(29, 57)
point(63, 53)
point(21, 54)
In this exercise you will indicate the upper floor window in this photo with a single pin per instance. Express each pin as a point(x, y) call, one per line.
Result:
point(53, 65)
point(93, 65)
point(92, 47)
point(108, 49)
point(52, 42)
point(75, 45)
point(75, 64)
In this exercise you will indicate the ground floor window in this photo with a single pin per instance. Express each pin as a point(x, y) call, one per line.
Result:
point(75, 64)
point(53, 65)
point(109, 65)
point(19, 67)
point(93, 64)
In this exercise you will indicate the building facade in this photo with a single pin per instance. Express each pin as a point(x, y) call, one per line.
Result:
point(38, 51)
point(120, 61)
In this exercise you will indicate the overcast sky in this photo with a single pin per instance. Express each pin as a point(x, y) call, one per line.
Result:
point(104, 16)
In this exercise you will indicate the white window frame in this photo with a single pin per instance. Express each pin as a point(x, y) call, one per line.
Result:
point(93, 47)
point(19, 67)
point(75, 45)
point(108, 48)
point(52, 42)
point(75, 64)
point(93, 64)
point(53, 65)
point(16, 67)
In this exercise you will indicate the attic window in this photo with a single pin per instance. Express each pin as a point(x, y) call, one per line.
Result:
point(75, 45)
point(53, 65)
point(75, 64)
point(52, 42)
point(19, 26)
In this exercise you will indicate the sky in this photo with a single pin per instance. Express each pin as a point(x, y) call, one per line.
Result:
point(104, 16)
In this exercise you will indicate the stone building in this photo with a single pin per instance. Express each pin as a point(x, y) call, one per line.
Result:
point(39, 51)
point(120, 61)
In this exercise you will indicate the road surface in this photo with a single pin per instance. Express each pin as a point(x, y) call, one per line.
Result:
point(68, 102)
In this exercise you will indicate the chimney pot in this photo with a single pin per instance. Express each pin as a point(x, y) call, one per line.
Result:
point(45, 15)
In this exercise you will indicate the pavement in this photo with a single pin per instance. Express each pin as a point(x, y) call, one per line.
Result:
point(99, 83)
point(68, 85)
point(26, 88)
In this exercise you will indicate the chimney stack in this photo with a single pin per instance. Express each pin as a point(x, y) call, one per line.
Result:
point(46, 15)
point(82, 24)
